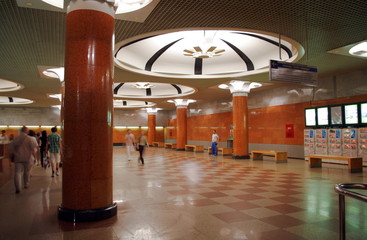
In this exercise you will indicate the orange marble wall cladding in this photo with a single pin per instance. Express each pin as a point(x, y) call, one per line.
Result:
point(199, 128)
point(265, 125)
point(119, 134)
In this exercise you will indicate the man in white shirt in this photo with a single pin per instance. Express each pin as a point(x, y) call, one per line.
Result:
point(130, 143)
point(215, 140)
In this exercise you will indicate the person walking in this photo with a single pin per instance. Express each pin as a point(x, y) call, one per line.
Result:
point(23, 151)
point(142, 142)
point(32, 134)
point(43, 148)
point(130, 143)
point(54, 149)
point(215, 139)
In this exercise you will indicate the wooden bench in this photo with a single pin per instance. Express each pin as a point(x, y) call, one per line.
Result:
point(194, 148)
point(280, 157)
point(170, 145)
point(225, 151)
point(354, 163)
point(158, 144)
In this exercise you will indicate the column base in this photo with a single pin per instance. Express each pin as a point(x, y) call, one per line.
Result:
point(89, 215)
point(180, 149)
point(240, 156)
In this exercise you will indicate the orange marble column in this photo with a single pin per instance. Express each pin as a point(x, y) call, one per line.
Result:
point(88, 108)
point(240, 128)
point(151, 128)
point(181, 128)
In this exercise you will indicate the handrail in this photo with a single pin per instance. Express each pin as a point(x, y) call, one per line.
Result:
point(342, 190)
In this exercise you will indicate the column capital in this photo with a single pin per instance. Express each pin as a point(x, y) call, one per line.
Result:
point(240, 88)
point(152, 111)
point(181, 103)
point(96, 5)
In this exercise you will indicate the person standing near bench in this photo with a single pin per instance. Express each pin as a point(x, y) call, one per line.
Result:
point(215, 139)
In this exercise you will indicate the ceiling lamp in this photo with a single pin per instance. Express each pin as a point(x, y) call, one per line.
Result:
point(206, 49)
point(55, 3)
point(359, 50)
point(198, 52)
point(142, 85)
point(125, 6)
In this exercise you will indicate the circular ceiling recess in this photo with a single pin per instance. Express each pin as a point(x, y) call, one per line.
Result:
point(8, 86)
point(120, 103)
point(150, 90)
point(205, 53)
point(14, 101)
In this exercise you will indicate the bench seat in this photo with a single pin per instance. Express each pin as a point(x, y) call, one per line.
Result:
point(225, 151)
point(158, 144)
point(194, 148)
point(354, 163)
point(280, 156)
point(170, 145)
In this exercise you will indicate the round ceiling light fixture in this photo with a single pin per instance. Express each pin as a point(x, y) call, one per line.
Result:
point(205, 53)
point(8, 86)
point(148, 90)
point(359, 50)
point(14, 101)
point(120, 103)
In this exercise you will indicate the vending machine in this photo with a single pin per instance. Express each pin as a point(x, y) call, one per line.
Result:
point(309, 142)
point(335, 142)
point(350, 144)
point(321, 143)
point(362, 144)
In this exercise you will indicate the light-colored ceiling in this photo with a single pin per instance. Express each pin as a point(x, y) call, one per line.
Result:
point(30, 38)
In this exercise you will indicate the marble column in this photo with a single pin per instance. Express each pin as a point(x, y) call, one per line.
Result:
point(88, 108)
point(181, 122)
point(240, 90)
point(240, 126)
point(151, 125)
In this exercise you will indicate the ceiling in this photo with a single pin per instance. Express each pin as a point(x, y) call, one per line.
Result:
point(30, 38)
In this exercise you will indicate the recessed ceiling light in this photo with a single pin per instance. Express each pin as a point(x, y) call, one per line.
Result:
point(28, 3)
point(359, 50)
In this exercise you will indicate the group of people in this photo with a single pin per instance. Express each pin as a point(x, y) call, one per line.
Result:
point(132, 145)
point(139, 145)
point(29, 149)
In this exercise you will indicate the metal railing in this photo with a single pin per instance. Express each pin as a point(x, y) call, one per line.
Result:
point(343, 190)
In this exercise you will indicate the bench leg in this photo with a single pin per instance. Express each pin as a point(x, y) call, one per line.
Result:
point(315, 162)
point(281, 157)
point(355, 166)
point(257, 156)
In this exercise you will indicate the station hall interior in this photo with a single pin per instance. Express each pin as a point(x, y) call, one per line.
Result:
point(177, 70)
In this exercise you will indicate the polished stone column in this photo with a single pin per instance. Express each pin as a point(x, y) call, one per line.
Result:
point(88, 108)
point(181, 128)
point(181, 123)
point(151, 128)
point(240, 126)
point(240, 90)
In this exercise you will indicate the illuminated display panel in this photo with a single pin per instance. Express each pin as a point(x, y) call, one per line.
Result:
point(351, 114)
point(336, 115)
point(310, 117)
point(364, 113)
point(322, 116)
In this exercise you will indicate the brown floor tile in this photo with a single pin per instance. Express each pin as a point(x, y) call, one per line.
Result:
point(282, 221)
point(231, 217)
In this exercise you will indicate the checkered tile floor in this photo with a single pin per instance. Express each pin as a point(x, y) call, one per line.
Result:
point(186, 195)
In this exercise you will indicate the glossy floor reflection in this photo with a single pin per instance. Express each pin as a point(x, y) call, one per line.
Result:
point(186, 195)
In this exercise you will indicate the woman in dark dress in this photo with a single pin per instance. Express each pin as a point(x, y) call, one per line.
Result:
point(43, 149)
